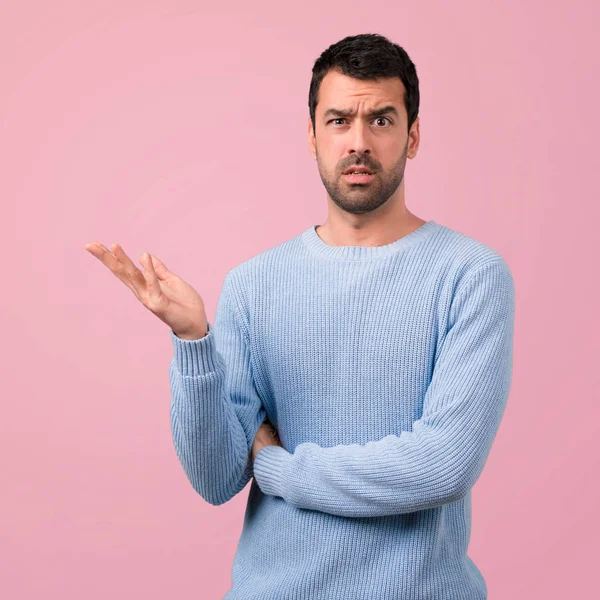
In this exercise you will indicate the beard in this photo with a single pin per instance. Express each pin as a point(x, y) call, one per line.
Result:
point(363, 198)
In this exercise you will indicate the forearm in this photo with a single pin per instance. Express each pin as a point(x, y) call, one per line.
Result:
point(442, 457)
point(210, 441)
point(416, 470)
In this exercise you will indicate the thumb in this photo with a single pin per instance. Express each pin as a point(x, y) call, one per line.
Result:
point(160, 269)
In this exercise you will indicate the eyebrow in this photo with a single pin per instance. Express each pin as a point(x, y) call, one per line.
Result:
point(377, 112)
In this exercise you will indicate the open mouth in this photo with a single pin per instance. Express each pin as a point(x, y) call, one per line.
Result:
point(359, 177)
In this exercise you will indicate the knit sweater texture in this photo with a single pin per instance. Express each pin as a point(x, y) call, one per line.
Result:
point(385, 371)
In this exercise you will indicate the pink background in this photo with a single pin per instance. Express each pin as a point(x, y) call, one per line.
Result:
point(180, 129)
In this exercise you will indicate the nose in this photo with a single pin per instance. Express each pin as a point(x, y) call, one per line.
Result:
point(359, 139)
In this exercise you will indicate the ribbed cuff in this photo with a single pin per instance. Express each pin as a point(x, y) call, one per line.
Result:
point(195, 357)
point(270, 465)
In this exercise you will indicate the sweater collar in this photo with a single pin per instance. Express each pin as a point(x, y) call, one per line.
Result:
point(316, 245)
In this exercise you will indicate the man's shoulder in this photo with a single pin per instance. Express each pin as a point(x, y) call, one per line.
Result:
point(455, 253)
point(464, 254)
point(268, 260)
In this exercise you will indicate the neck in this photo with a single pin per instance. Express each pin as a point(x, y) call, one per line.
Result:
point(346, 230)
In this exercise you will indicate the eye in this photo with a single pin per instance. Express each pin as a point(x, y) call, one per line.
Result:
point(377, 119)
point(342, 119)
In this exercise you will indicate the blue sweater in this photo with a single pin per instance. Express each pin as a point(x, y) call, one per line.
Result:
point(386, 372)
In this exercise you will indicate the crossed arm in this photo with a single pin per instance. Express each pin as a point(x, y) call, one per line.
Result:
point(443, 456)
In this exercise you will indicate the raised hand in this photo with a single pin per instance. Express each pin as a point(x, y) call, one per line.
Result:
point(163, 293)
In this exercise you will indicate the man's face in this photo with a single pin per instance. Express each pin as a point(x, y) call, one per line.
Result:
point(379, 142)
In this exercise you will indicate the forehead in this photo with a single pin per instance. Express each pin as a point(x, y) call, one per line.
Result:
point(340, 91)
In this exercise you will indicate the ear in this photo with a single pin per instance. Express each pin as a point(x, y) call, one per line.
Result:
point(311, 140)
point(414, 137)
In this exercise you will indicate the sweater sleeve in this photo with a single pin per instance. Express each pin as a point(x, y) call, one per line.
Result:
point(441, 458)
point(215, 408)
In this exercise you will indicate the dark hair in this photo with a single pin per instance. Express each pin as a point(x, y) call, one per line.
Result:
point(367, 56)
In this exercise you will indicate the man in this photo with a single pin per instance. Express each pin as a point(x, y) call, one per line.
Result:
point(358, 372)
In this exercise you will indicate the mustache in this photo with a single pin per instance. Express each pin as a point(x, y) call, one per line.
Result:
point(361, 163)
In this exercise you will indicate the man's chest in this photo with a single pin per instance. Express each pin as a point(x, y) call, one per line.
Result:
point(348, 362)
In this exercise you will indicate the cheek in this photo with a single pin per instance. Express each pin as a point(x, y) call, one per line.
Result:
point(391, 157)
point(329, 163)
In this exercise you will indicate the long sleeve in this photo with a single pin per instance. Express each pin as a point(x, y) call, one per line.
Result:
point(441, 458)
point(215, 409)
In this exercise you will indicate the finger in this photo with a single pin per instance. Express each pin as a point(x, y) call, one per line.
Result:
point(151, 277)
point(102, 253)
point(129, 265)
point(160, 269)
point(135, 275)
point(105, 256)
point(110, 260)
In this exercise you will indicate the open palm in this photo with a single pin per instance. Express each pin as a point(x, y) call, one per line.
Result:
point(162, 292)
